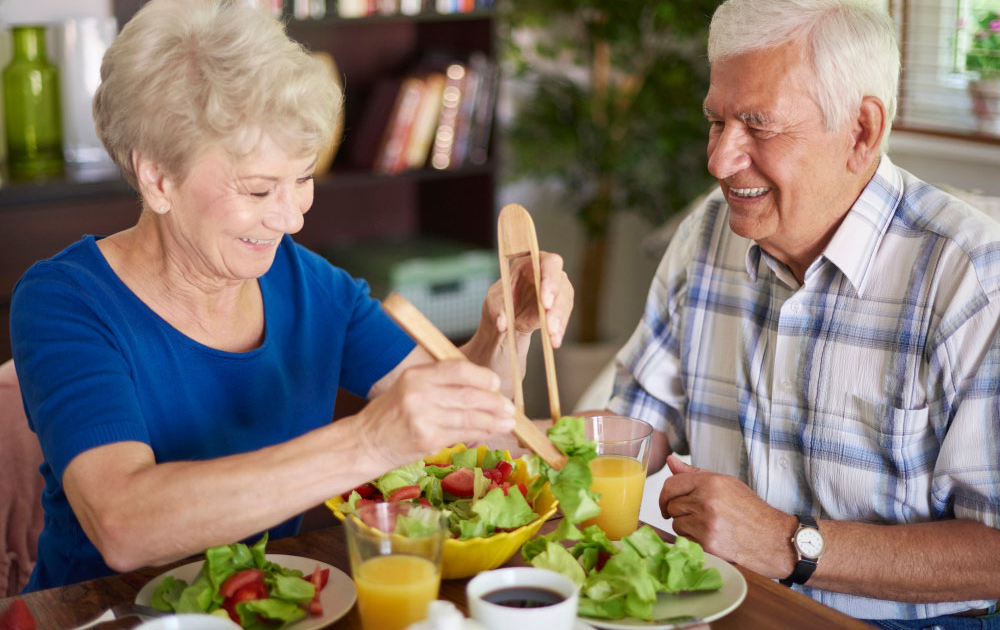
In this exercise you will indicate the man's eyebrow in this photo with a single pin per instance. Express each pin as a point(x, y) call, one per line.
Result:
point(760, 119)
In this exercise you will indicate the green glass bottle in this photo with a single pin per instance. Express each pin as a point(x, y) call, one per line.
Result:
point(31, 107)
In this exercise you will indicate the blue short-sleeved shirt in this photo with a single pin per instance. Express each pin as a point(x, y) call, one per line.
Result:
point(96, 366)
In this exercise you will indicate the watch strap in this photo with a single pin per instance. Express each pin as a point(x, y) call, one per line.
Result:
point(805, 566)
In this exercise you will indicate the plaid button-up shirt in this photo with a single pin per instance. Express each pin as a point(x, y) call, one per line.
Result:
point(867, 393)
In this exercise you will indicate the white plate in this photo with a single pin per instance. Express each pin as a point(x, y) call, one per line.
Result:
point(708, 605)
point(337, 596)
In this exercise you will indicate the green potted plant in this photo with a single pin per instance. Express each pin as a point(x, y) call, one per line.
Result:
point(613, 111)
point(982, 61)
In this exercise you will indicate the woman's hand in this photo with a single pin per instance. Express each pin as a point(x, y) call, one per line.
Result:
point(432, 406)
point(556, 291)
point(489, 346)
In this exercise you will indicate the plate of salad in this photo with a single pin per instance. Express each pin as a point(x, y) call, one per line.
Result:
point(255, 589)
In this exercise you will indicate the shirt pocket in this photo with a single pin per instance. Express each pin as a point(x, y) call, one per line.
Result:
point(873, 462)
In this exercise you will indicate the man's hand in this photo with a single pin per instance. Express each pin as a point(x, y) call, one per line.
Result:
point(728, 519)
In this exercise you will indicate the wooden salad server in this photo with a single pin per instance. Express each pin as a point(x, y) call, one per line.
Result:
point(516, 238)
point(441, 348)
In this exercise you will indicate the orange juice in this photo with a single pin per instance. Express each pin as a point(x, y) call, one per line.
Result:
point(394, 590)
point(619, 480)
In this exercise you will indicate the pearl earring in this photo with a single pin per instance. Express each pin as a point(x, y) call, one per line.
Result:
point(163, 209)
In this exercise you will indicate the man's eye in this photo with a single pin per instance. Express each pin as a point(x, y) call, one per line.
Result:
point(261, 194)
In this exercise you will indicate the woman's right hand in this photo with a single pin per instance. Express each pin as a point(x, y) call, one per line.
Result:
point(432, 406)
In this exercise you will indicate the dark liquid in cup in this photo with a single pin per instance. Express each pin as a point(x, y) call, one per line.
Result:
point(524, 597)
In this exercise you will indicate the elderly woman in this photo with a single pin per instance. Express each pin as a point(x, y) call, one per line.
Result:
point(181, 374)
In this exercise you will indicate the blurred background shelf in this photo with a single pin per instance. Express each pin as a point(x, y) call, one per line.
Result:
point(39, 218)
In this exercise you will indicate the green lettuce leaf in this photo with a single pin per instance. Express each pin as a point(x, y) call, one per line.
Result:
point(556, 558)
point(255, 615)
point(408, 475)
point(293, 589)
point(501, 511)
point(467, 458)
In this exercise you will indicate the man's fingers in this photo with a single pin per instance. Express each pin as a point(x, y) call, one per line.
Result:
point(679, 466)
point(677, 486)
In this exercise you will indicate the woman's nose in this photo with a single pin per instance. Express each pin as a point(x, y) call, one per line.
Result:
point(284, 216)
point(727, 155)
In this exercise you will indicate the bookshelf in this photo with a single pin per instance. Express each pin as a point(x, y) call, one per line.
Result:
point(352, 203)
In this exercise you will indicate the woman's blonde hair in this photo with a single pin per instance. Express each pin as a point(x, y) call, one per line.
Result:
point(184, 75)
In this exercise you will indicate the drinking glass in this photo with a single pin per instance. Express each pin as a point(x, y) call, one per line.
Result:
point(619, 471)
point(396, 575)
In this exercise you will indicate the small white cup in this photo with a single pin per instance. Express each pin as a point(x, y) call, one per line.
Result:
point(189, 621)
point(559, 616)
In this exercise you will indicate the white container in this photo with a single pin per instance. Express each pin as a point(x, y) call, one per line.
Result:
point(559, 616)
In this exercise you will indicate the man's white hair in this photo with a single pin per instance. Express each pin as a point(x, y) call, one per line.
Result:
point(853, 45)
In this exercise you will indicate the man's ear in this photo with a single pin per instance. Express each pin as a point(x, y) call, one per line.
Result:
point(866, 134)
point(154, 185)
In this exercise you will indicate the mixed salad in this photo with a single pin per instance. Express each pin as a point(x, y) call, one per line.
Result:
point(239, 582)
point(482, 491)
point(616, 581)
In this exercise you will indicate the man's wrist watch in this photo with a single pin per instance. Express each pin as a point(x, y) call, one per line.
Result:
point(809, 546)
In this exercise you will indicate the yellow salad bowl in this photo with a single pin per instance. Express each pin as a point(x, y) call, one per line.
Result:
point(465, 558)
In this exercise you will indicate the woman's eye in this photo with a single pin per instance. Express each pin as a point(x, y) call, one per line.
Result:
point(261, 194)
point(305, 180)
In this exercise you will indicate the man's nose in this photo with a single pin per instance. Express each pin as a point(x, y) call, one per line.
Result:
point(727, 155)
point(284, 216)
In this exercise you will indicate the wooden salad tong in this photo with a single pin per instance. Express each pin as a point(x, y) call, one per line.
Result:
point(516, 238)
point(438, 346)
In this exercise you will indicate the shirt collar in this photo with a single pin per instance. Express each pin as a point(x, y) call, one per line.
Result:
point(853, 246)
point(855, 243)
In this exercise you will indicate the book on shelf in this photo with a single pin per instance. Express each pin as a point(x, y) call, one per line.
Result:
point(418, 143)
point(440, 114)
point(451, 98)
point(391, 156)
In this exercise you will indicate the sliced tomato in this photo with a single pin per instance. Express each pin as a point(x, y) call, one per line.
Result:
point(366, 490)
point(405, 493)
point(523, 488)
point(460, 482)
point(17, 617)
point(318, 579)
point(250, 592)
point(504, 468)
point(506, 487)
point(439, 465)
point(424, 501)
point(238, 580)
point(492, 474)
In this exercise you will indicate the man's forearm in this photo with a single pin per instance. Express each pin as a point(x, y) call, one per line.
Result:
point(950, 560)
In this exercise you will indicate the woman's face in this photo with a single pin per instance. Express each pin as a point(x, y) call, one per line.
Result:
point(228, 216)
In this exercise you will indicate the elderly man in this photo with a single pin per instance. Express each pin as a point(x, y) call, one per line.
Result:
point(821, 335)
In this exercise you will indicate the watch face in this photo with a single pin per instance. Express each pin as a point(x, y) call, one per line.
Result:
point(809, 542)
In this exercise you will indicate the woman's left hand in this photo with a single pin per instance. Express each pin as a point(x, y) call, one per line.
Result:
point(556, 292)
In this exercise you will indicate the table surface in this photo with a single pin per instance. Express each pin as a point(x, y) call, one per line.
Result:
point(767, 604)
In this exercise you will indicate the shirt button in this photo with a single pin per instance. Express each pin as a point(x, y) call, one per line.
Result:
point(795, 309)
point(783, 461)
point(786, 385)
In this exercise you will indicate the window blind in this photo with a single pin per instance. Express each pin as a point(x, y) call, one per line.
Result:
point(934, 37)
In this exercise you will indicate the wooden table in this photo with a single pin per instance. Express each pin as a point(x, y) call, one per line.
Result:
point(767, 605)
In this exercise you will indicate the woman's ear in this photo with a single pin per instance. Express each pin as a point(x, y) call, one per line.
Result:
point(866, 133)
point(154, 186)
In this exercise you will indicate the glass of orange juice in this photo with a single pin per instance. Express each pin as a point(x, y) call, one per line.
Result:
point(619, 471)
point(395, 553)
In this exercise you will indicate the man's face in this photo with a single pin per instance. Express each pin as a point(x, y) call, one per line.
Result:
point(785, 177)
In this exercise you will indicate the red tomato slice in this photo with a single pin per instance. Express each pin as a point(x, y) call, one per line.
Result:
point(238, 580)
point(438, 465)
point(504, 468)
point(250, 592)
point(405, 493)
point(366, 490)
point(506, 487)
point(460, 482)
point(492, 474)
point(522, 488)
point(318, 579)
point(17, 617)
